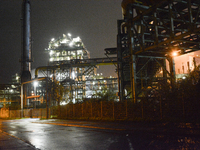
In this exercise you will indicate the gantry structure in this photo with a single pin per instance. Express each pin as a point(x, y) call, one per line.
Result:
point(147, 35)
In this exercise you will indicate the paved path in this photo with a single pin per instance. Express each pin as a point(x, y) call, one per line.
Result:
point(22, 134)
point(9, 142)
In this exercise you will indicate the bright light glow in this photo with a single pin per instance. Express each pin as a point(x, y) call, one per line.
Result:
point(184, 78)
point(79, 52)
point(52, 39)
point(71, 44)
point(73, 75)
point(64, 41)
point(51, 59)
point(56, 45)
point(76, 39)
point(63, 103)
point(174, 54)
point(35, 83)
point(69, 34)
point(51, 53)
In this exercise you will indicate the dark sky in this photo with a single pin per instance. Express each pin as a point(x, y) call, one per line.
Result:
point(94, 21)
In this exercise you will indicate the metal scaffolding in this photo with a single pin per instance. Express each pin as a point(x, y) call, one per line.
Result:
point(148, 34)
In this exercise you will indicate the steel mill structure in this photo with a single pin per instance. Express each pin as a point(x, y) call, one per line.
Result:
point(151, 30)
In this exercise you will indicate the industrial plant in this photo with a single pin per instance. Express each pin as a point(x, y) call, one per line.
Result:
point(69, 66)
point(152, 37)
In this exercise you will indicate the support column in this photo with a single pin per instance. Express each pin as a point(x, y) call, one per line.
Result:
point(133, 78)
point(172, 72)
point(120, 64)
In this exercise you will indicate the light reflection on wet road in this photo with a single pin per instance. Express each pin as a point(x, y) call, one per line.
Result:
point(50, 137)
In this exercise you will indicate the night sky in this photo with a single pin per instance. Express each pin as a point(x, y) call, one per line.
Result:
point(94, 21)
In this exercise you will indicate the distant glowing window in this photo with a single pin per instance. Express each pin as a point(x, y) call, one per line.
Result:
point(64, 53)
point(71, 44)
point(56, 45)
point(79, 52)
point(51, 53)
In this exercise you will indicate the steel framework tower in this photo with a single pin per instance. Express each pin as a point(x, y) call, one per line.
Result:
point(148, 34)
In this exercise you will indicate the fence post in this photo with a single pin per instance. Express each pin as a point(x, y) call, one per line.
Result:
point(126, 109)
point(142, 108)
point(113, 110)
point(161, 115)
point(73, 110)
point(66, 111)
point(82, 109)
point(91, 109)
point(101, 110)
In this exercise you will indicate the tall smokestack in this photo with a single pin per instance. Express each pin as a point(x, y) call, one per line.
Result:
point(26, 42)
point(26, 52)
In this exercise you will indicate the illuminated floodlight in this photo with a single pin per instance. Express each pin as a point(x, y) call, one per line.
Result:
point(71, 44)
point(184, 78)
point(35, 83)
point(63, 103)
point(76, 39)
point(52, 39)
point(69, 34)
point(64, 41)
point(73, 75)
point(51, 53)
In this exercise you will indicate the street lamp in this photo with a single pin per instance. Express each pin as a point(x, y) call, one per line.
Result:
point(174, 54)
point(22, 94)
point(35, 83)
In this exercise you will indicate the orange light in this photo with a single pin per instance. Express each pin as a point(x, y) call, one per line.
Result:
point(174, 54)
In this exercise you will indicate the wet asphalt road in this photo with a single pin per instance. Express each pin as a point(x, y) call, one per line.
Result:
point(78, 135)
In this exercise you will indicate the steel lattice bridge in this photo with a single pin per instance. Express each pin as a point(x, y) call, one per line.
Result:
point(150, 31)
